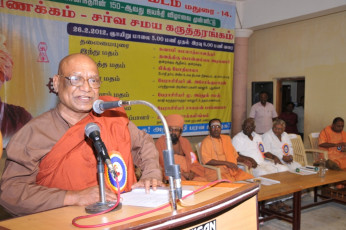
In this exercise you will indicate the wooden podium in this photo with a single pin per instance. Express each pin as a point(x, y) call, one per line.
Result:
point(224, 206)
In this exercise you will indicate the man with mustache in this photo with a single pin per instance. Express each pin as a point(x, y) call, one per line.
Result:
point(183, 154)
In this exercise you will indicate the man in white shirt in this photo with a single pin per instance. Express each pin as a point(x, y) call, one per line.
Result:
point(277, 141)
point(264, 113)
point(250, 144)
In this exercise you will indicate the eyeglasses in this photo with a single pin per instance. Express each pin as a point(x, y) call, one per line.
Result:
point(215, 127)
point(78, 81)
point(176, 130)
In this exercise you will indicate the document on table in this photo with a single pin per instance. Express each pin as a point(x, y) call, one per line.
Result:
point(263, 180)
point(138, 197)
point(266, 181)
point(308, 170)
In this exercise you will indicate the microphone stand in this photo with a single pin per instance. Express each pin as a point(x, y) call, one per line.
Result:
point(103, 205)
point(171, 169)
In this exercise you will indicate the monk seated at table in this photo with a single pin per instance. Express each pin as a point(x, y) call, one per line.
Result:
point(333, 139)
point(217, 150)
point(183, 155)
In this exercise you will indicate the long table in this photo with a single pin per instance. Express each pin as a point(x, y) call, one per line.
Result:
point(291, 183)
point(225, 206)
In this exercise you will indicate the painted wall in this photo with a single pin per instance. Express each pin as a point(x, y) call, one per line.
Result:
point(314, 48)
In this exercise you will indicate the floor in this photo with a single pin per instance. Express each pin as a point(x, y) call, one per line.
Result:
point(327, 216)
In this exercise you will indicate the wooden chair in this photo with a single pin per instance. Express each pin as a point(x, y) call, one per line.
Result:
point(299, 151)
point(313, 138)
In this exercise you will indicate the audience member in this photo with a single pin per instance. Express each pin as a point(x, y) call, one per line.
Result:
point(52, 164)
point(278, 142)
point(217, 150)
point(264, 113)
point(250, 144)
point(299, 110)
point(333, 139)
point(290, 118)
point(182, 152)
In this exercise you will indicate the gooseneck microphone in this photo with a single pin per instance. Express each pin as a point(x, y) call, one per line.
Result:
point(92, 131)
point(100, 106)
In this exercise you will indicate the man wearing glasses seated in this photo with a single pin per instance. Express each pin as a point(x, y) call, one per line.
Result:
point(217, 150)
point(51, 163)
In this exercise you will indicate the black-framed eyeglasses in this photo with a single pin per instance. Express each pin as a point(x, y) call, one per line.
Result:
point(78, 81)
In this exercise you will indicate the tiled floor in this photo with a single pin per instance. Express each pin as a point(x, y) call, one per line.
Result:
point(323, 217)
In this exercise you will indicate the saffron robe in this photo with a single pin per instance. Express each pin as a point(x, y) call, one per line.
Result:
point(223, 150)
point(327, 135)
point(185, 162)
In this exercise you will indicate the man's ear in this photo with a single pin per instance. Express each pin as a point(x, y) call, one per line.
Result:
point(56, 83)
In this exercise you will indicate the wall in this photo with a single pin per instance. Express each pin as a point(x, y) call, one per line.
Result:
point(314, 48)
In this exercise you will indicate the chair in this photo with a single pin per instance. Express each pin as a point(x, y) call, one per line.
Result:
point(240, 165)
point(313, 138)
point(299, 151)
point(199, 155)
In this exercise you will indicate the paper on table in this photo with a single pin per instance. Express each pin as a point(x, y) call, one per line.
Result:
point(304, 171)
point(266, 181)
point(138, 197)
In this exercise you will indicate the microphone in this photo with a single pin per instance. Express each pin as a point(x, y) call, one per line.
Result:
point(92, 131)
point(100, 106)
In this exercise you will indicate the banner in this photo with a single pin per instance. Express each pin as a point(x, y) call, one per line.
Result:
point(175, 54)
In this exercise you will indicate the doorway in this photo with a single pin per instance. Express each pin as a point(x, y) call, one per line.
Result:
point(289, 90)
point(292, 90)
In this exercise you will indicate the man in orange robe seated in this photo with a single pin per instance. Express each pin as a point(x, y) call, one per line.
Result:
point(51, 163)
point(217, 150)
point(333, 139)
point(190, 169)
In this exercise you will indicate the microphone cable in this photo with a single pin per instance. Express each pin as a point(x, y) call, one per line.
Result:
point(139, 214)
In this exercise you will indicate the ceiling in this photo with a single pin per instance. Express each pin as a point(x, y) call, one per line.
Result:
point(261, 14)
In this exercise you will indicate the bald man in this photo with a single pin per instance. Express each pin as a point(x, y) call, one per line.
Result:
point(52, 164)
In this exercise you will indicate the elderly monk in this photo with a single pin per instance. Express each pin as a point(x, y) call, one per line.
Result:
point(190, 169)
point(333, 139)
point(217, 150)
point(50, 161)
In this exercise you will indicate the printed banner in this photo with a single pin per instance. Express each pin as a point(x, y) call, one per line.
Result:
point(174, 54)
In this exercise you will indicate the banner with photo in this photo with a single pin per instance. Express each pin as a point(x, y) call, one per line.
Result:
point(175, 54)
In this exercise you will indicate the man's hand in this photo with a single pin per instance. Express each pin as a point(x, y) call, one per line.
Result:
point(231, 165)
point(147, 183)
point(273, 157)
point(188, 175)
point(87, 196)
point(287, 159)
point(253, 162)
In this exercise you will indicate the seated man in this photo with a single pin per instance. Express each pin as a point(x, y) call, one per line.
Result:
point(278, 142)
point(250, 144)
point(182, 152)
point(333, 139)
point(217, 150)
point(52, 164)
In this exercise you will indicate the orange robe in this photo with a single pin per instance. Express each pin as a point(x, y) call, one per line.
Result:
point(71, 164)
point(223, 150)
point(201, 173)
point(335, 154)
